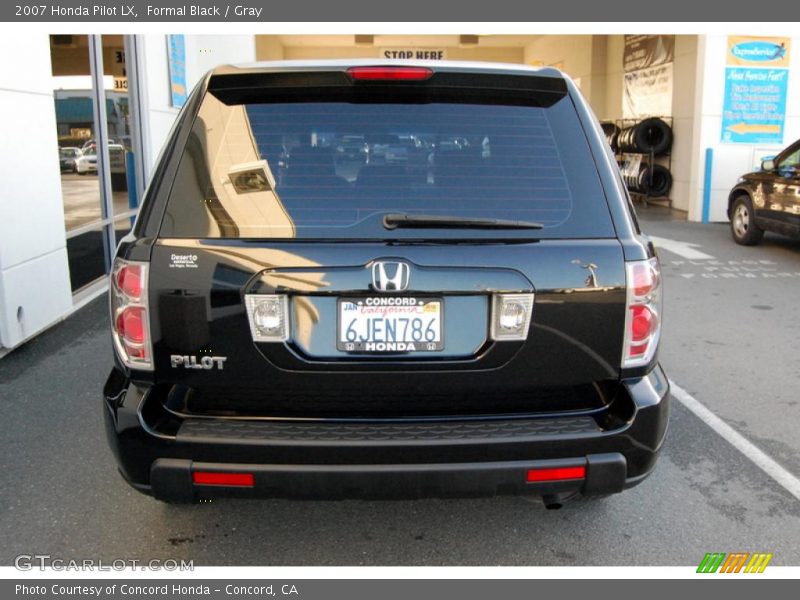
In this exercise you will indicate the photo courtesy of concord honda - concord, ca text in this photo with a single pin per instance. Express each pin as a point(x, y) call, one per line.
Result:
point(112, 590)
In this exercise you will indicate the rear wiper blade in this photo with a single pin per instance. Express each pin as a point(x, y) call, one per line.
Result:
point(395, 221)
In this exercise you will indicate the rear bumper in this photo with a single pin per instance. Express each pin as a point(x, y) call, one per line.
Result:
point(612, 449)
point(172, 479)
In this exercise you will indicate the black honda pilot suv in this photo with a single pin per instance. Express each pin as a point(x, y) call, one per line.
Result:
point(467, 306)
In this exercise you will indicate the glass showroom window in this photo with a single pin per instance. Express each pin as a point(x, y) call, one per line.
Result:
point(90, 80)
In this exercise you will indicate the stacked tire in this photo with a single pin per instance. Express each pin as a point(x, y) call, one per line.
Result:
point(612, 131)
point(653, 137)
point(651, 180)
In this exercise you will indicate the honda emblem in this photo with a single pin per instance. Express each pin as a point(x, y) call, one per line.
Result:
point(390, 276)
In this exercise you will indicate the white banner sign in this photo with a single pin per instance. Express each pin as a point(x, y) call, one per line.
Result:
point(647, 92)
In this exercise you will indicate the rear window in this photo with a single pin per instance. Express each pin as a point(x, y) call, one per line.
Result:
point(334, 169)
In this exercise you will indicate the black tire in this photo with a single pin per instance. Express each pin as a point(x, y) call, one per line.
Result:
point(653, 135)
point(611, 131)
point(743, 225)
point(614, 142)
point(609, 127)
point(659, 181)
point(624, 143)
point(632, 181)
point(650, 135)
point(654, 181)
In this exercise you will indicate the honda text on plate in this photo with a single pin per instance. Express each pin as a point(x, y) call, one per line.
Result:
point(466, 305)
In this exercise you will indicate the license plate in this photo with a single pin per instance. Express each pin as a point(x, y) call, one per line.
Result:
point(390, 324)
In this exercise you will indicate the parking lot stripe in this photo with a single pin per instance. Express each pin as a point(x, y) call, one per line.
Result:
point(685, 250)
point(743, 445)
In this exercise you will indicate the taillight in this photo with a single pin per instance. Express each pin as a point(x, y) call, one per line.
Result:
point(130, 317)
point(129, 280)
point(642, 312)
point(389, 73)
point(130, 324)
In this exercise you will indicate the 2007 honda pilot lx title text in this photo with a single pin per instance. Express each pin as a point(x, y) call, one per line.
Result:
point(465, 305)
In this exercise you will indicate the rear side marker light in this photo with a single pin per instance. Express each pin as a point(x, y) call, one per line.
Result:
point(555, 474)
point(226, 479)
point(389, 73)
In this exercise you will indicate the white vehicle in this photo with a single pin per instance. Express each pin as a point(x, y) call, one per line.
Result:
point(88, 162)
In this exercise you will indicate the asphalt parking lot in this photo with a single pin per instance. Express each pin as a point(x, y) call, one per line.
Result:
point(730, 342)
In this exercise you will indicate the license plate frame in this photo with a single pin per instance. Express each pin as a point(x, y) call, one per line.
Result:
point(400, 305)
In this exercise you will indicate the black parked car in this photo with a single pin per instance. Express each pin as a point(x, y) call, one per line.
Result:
point(488, 325)
point(767, 200)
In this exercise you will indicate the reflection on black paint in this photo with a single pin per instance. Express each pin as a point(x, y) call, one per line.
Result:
point(85, 257)
point(227, 283)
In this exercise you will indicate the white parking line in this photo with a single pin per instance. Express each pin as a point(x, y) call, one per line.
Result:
point(788, 481)
point(683, 249)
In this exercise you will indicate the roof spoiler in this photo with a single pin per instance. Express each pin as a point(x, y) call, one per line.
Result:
point(234, 85)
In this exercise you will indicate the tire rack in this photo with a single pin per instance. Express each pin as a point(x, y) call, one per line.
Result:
point(644, 198)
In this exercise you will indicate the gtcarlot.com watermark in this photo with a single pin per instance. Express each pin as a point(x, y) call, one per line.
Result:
point(43, 562)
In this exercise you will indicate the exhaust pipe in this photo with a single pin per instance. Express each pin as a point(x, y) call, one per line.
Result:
point(552, 501)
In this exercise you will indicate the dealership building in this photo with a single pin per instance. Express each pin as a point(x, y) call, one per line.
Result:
point(728, 100)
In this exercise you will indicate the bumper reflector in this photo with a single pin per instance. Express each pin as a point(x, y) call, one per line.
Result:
point(229, 479)
point(555, 474)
